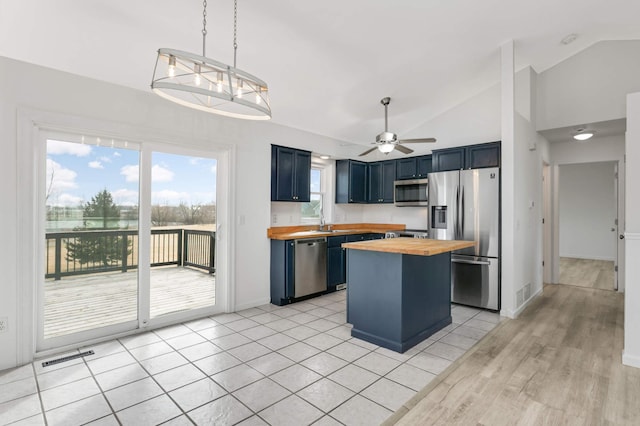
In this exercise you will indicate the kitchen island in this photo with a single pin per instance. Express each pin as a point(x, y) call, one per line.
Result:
point(399, 289)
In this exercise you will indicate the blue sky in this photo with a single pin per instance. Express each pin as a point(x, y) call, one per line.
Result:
point(76, 172)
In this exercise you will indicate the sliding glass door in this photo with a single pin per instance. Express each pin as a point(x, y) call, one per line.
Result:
point(130, 238)
point(183, 225)
point(91, 238)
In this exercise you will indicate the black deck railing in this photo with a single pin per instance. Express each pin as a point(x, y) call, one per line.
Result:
point(117, 250)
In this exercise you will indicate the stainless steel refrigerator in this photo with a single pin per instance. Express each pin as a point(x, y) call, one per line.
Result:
point(465, 205)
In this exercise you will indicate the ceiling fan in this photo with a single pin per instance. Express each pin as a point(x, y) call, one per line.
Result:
point(388, 141)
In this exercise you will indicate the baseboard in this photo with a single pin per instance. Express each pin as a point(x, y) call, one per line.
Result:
point(514, 313)
point(252, 304)
point(630, 360)
point(579, 256)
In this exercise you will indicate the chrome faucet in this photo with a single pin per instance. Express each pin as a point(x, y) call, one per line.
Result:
point(322, 220)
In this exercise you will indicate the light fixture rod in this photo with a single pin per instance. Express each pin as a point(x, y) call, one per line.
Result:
point(204, 29)
point(385, 102)
point(235, 32)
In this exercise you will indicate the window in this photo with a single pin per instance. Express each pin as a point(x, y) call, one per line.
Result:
point(312, 210)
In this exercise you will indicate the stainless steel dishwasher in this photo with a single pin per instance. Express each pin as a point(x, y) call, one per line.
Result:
point(310, 266)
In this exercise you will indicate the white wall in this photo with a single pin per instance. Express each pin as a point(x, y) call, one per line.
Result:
point(590, 86)
point(588, 211)
point(631, 353)
point(27, 86)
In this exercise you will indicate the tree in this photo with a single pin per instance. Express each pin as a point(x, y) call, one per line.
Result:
point(104, 247)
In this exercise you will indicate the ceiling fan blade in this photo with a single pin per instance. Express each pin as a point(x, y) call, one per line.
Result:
point(419, 140)
point(368, 151)
point(404, 149)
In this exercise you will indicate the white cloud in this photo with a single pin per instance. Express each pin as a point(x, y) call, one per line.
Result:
point(64, 200)
point(117, 154)
point(194, 160)
point(71, 148)
point(125, 197)
point(158, 173)
point(214, 169)
point(96, 165)
point(59, 178)
point(130, 172)
point(105, 159)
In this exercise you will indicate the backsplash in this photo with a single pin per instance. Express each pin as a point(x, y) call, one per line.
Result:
point(283, 214)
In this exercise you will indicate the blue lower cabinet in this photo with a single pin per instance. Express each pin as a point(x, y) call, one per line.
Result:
point(282, 272)
point(336, 262)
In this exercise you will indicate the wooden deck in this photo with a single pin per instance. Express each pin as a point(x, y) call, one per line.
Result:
point(90, 301)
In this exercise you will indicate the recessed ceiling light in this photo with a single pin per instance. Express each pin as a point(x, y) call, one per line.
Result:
point(582, 134)
point(569, 39)
point(324, 157)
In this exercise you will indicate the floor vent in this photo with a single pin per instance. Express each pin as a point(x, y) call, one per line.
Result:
point(67, 358)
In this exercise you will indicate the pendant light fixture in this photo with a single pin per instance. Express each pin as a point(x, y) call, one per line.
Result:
point(205, 84)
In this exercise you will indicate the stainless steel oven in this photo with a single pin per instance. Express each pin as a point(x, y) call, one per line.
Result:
point(412, 192)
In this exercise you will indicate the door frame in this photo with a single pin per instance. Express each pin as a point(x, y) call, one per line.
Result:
point(30, 216)
point(620, 202)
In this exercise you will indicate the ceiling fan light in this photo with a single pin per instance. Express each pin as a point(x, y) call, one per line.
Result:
point(386, 148)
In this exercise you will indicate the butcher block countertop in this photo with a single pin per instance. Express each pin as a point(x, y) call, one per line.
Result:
point(310, 231)
point(415, 246)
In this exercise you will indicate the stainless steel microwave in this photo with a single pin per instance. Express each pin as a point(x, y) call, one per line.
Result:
point(412, 192)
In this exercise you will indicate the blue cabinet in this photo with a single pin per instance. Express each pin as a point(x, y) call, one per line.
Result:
point(413, 167)
point(406, 168)
point(282, 272)
point(467, 157)
point(336, 262)
point(351, 181)
point(448, 159)
point(424, 165)
point(482, 155)
point(290, 174)
point(381, 177)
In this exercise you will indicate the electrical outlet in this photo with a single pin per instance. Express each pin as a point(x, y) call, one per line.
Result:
point(4, 324)
point(274, 219)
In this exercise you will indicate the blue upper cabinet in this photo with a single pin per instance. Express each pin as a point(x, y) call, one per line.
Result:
point(413, 167)
point(467, 157)
point(483, 155)
point(424, 165)
point(351, 181)
point(381, 177)
point(406, 168)
point(290, 174)
point(448, 159)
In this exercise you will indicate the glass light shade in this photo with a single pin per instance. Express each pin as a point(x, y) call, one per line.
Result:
point(386, 148)
point(583, 136)
point(178, 77)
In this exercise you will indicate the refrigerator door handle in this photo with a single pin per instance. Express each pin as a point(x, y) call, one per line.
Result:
point(456, 223)
point(462, 213)
point(471, 262)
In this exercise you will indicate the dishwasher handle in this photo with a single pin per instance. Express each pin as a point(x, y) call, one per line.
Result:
point(470, 262)
point(312, 242)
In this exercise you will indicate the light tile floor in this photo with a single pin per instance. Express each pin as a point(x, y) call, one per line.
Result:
point(292, 365)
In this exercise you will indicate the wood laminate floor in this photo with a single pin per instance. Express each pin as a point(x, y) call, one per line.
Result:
point(558, 363)
point(587, 273)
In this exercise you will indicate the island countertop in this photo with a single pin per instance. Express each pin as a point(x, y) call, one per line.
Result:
point(414, 246)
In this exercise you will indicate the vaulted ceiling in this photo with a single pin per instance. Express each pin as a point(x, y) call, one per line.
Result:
point(328, 63)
